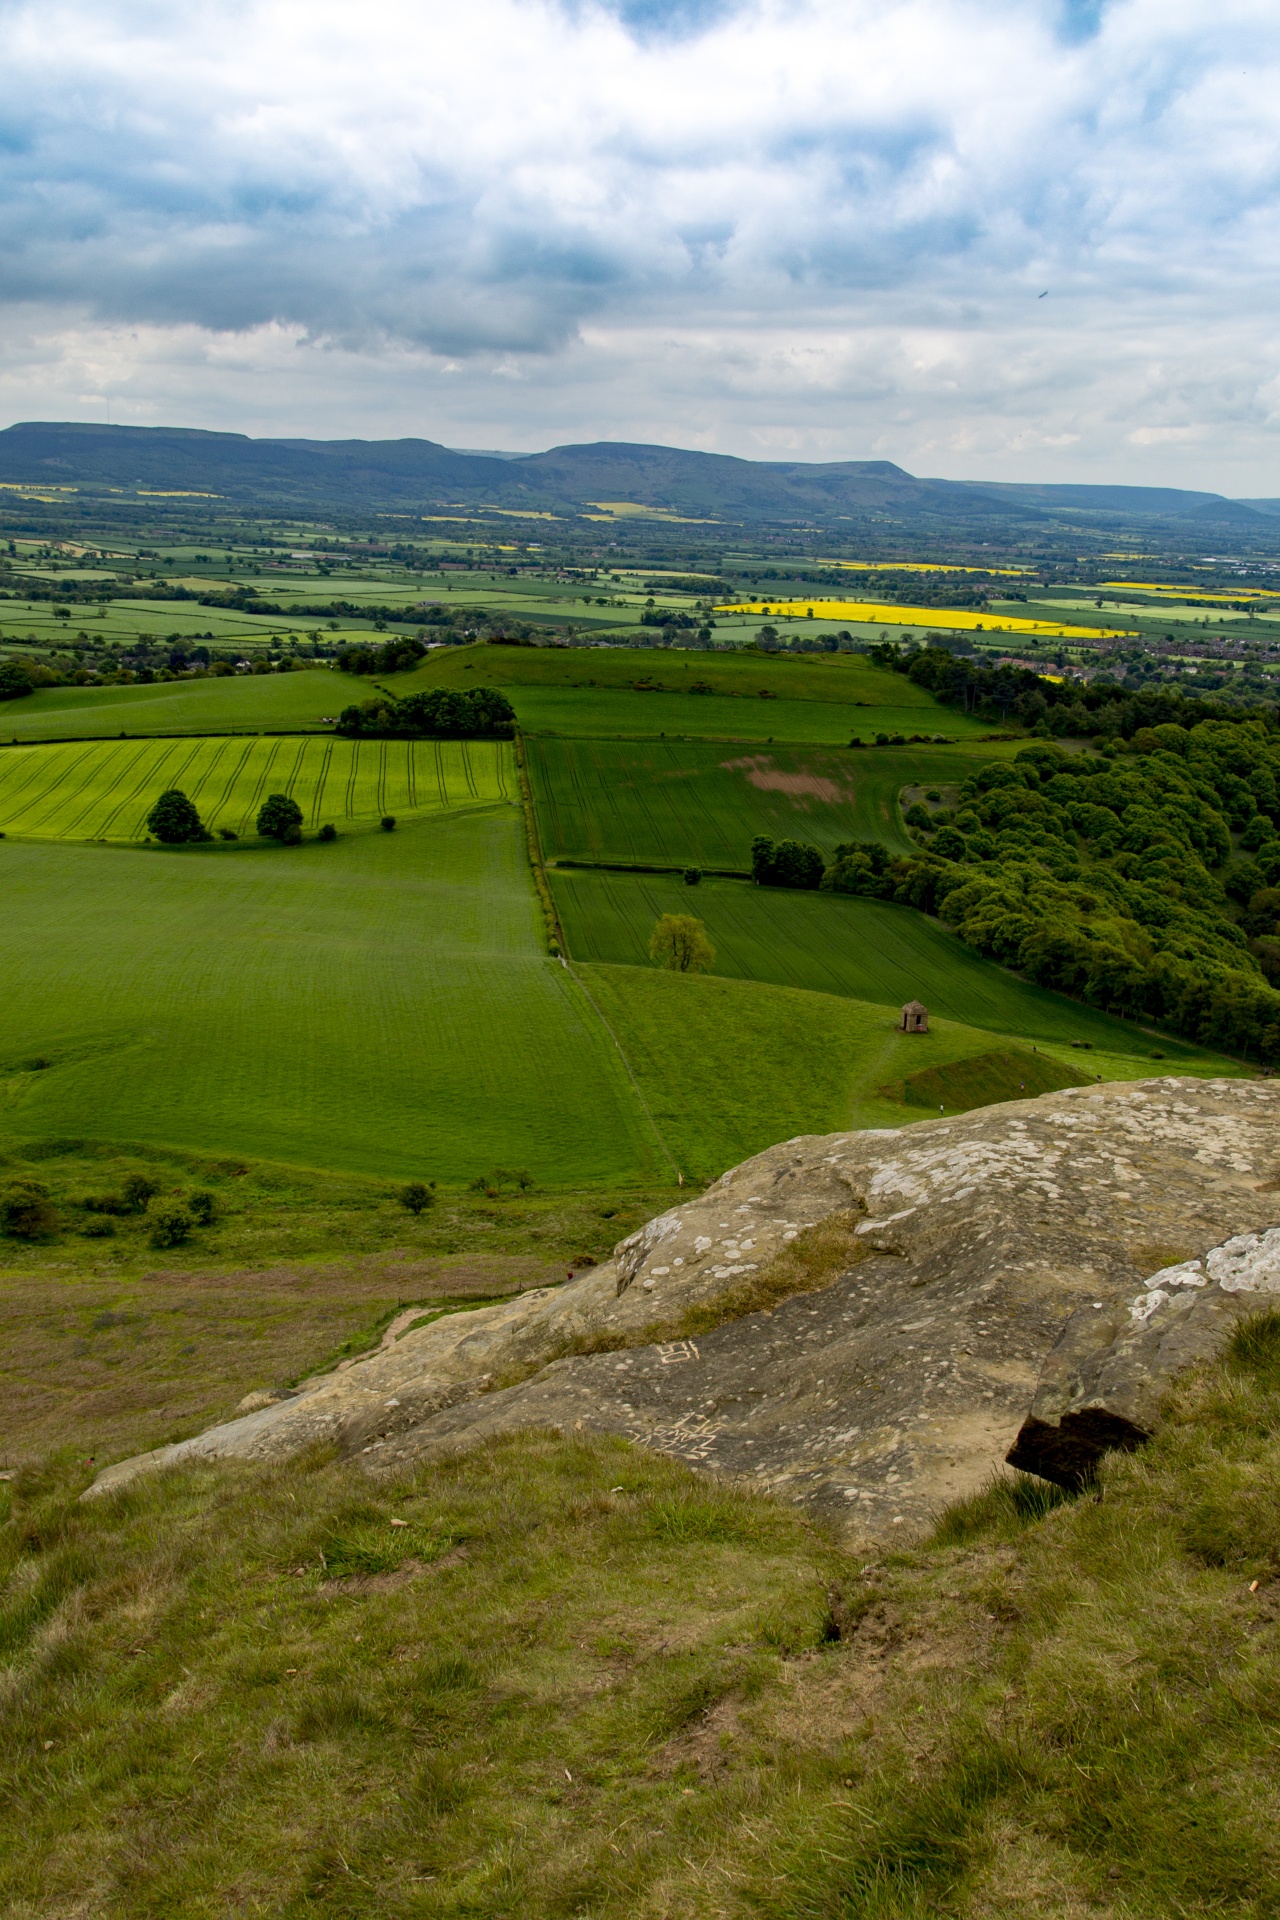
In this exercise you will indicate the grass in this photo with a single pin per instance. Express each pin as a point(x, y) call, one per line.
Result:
point(100, 791)
point(641, 716)
point(730, 1067)
point(814, 698)
point(379, 1005)
point(833, 679)
point(685, 803)
point(823, 698)
point(126, 1347)
point(835, 944)
point(579, 1681)
point(249, 701)
point(984, 1079)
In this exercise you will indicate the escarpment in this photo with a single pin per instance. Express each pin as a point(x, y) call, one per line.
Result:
point(863, 1322)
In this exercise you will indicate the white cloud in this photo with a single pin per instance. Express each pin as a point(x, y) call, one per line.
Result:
point(814, 227)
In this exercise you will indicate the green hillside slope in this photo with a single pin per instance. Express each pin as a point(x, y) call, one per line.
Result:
point(177, 706)
point(576, 1678)
point(729, 1067)
point(382, 1004)
point(834, 944)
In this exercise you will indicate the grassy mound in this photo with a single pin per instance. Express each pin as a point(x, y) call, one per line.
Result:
point(984, 1079)
point(575, 1680)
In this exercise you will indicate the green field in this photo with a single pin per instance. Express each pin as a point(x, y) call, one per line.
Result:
point(701, 717)
point(822, 697)
point(833, 944)
point(382, 1004)
point(842, 679)
point(688, 803)
point(553, 689)
point(105, 790)
point(246, 700)
point(730, 1067)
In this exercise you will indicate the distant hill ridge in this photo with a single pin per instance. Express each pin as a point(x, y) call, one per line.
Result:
point(417, 474)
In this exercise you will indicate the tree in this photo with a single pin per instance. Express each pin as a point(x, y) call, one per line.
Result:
point(174, 819)
point(388, 823)
point(137, 1190)
point(15, 681)
point(416, 1197)
point(762, 851)
point(680, 944)
point(25, 1212)
point(170, 1224)
point(950, 844)
point(277, 815)
point(693, 876)
point(785, 863)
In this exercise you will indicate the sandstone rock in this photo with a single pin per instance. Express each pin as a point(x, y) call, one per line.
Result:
point(1104, 1381)
point(894, 1385)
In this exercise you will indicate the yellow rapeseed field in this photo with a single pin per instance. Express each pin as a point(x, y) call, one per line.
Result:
point(919, 566)
point(957, 619)
point(1193, 592)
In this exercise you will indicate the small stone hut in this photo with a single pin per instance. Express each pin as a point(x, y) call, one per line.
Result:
point(915, 1018)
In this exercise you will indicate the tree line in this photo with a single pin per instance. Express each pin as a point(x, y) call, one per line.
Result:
point(440, 713)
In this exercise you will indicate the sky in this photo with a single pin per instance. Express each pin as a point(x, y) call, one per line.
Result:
point(984, 239)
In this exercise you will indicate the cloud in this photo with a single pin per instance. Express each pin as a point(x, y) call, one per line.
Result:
point(823, 219)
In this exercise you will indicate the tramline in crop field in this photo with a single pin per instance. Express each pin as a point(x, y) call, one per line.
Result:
point(103, 790)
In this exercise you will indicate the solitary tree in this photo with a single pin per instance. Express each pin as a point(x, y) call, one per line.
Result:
point(174, 819)
point(680, 943)
point(416, 1196)
point(280, 818)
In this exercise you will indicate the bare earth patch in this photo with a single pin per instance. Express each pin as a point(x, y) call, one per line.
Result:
point(762, 773)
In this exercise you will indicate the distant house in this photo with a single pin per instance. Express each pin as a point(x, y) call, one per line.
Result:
point(915, 1018)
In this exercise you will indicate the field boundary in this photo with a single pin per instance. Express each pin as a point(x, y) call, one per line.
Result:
point(559, 864)
point(555, 932)
point(319, 731)
point(645, 1108)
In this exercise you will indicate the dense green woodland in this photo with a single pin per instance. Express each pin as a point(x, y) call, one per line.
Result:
point(1114, 878)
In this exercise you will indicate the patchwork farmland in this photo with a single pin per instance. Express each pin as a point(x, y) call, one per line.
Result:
point(434, 1027)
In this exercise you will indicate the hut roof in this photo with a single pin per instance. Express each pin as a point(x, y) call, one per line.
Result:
point(915, 1006)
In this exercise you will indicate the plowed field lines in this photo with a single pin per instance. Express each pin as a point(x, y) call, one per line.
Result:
point(105, 789)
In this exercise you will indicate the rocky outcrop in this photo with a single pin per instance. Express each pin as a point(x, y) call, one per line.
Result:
point(1103, 1384)
point(875, 1381)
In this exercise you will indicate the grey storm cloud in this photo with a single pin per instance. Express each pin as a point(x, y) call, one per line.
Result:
point(786, 194)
